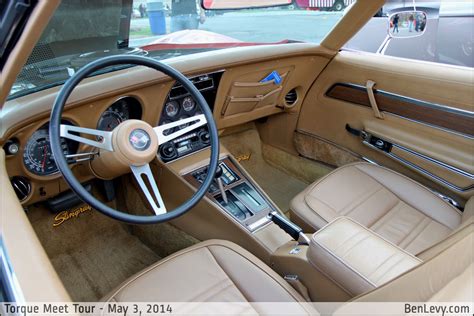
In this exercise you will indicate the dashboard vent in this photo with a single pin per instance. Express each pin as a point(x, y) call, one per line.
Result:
point(21, 186)
point(291, 97)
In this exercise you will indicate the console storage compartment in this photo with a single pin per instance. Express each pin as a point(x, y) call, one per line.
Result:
point(356, 258)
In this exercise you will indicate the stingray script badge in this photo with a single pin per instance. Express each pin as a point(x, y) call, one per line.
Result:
point(67, 215)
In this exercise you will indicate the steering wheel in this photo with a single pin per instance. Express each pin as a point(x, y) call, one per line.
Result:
point(133, 144)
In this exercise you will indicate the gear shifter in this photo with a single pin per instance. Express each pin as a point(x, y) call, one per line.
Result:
point(220, 184)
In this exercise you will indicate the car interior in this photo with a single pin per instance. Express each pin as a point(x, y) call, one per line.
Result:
point(347, 178)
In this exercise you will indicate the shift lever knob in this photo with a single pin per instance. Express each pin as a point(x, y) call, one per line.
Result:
point(220, 184)
point(219, 172)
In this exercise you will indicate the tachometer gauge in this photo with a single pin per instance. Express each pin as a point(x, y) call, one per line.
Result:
point(38, 157)
point(172, 108)
point(188, 104)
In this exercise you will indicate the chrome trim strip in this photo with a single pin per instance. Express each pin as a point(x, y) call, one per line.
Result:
point(8, 277)
point(432, 126)
point(435, 161)
point(421, 170)
point(413, 100)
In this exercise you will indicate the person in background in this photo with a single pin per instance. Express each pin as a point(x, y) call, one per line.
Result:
point(186, 15)
point(417, 22)
point(395, 20)
point(411, 20)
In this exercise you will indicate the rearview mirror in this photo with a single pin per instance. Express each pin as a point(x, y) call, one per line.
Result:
point(242, 4)
point(407, 24)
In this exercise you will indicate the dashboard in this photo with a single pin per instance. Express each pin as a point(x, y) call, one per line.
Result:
point(37, 161)
point(236, 96)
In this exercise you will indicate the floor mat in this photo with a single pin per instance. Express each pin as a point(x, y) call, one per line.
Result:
point(279, 185)
point(92, 253)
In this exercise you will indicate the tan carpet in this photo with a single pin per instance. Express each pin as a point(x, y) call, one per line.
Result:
point(92, 253)
point(274, 170)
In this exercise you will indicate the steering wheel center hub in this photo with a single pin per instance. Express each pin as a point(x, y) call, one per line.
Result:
point(135, 142)
point(139, 139)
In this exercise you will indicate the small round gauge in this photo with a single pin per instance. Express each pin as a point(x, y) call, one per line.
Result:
point(113, 116)
point(171, 108)
point(188, 104)
point(38, 157)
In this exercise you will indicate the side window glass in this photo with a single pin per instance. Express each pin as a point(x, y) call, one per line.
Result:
point(448, 37)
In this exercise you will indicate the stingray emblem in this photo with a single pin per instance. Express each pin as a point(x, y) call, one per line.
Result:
point(139, 139)
point(67, 215)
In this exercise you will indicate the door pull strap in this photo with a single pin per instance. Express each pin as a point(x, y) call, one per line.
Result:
point(370, 91)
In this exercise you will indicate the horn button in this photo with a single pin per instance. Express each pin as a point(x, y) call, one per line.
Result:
point(135, 142)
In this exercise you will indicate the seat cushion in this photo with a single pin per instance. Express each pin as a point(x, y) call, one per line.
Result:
point(392, 205)
point(211, 271)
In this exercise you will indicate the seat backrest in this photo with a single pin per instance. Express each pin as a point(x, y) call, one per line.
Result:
point(459, 233)
point(447, 276)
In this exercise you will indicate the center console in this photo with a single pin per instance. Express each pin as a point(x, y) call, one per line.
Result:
point(235, 194)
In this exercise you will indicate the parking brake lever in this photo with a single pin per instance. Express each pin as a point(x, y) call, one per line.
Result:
point(289, 227)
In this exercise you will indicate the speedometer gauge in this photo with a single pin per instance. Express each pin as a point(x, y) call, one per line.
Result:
point(38, 157)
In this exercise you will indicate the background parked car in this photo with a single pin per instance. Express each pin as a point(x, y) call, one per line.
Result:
point(324, 5)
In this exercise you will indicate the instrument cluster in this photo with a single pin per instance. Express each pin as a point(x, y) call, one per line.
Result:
point(37, 156)
point(180, 105)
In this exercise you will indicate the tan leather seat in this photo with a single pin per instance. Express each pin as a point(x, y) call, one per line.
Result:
point(390, 204)
point(211, 271)
point(220, 271)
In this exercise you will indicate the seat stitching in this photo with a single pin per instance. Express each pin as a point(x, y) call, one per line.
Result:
point(381, 265)
point(208, 289)
point(225, 273)
point(363, 200)
point(282, 285)
point(419, 185)
point(419, 233)
point(384, 214)
point(322, 202)
point(344, 255)
point(387, 216)
point(422, 263)
point(346, 264)
point(414, 228)
point(351, 237)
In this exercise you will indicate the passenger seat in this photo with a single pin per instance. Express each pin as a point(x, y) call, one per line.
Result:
point(397, 208)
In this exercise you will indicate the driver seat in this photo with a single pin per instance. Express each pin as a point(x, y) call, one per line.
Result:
point(211, 271)
point(221, 271)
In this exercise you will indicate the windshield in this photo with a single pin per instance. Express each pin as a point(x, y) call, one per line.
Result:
point(84, 30)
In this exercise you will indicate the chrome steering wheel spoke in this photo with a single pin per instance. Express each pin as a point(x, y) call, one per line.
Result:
point(104, 142)
point(194, 121)
point(141, 172)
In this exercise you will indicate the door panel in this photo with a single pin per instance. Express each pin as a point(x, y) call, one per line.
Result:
point(428, 119)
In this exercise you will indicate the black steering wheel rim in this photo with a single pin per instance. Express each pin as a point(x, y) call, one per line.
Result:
point(76, 186)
